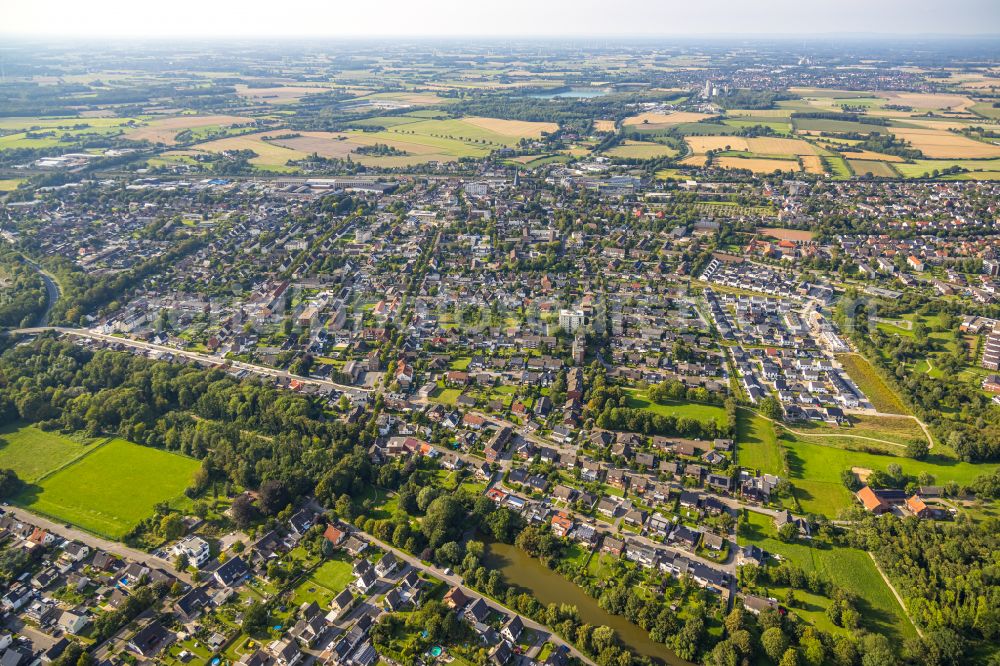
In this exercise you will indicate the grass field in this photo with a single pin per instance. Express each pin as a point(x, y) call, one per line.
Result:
point(815, 471)
point(269, 155)
point(642, 150)
point(109, 490)
point(920, 167)
point(10, 184)
point(882, 397)
point(639, 400)
point(848, 568)
point(862, 167)
point(33, 453)
point(757, 444)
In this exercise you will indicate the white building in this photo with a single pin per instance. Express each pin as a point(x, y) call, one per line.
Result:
point(196, 549)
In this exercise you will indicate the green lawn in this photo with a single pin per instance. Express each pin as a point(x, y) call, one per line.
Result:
point(815, 472)
point(639, 400)
point(757, 444)
point(33, 453)
point(848, 568)
point(327, 581)
point(111, 489)
point(447, 396)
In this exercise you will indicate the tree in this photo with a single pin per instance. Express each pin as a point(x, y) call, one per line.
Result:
point(774, 643)
point(255, 618)
point(917, 449)
point(171, 526)
point(243, 511)
point(10, 484)
point(790, 658)
point(181, 562)
point(771, 408)
point(788, 532)
point(273, 497)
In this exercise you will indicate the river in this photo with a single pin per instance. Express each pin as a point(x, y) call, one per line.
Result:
point(550, 587)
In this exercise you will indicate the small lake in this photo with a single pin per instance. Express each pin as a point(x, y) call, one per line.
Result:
point(550, 587)
point(572, 93)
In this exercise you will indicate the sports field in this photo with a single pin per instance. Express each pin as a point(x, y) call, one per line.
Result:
point(33, 453)
point(112, 488)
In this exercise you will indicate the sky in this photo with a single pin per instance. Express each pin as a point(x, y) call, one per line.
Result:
point(476, 18)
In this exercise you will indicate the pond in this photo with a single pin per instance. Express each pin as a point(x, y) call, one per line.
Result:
point(572, 93)
point(550, 587)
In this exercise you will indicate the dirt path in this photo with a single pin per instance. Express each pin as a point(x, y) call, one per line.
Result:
point(895, 594)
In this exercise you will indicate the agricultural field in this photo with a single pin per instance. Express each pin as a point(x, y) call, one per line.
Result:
point(10, 184)
point(921, 167)
point(112, 488)
point(604, 126)
point(935, 143)
point(848, 568)
point(278, 94)
point(655, 121)
point(769, 146)
point(270, 156)
point(641, 150)
point(862, 167)
point(33, 453)
point(812, 164)
point(164, 130)
point(882, 397)
point(757, 165)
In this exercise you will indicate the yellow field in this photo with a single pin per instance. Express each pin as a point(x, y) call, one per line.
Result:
point(928, 101)
point(758, 113)
point(513, 128)
point(604, 126)
point(812, 164)
point(664, 119)
point(936, 144)
point(694, 160)
point(325, 144)
point(759, 145)
point(869, 155)
point(277, 94)
point(643, 150)
point(165, 129)
point(10, 184)
point(757, 165)
point(268, 154)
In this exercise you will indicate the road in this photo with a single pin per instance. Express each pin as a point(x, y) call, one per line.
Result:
point(113, 547)
point(260, 370)
point(456, 581)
